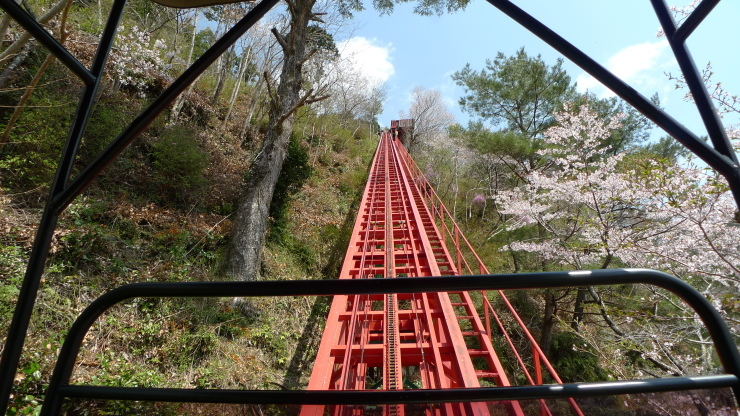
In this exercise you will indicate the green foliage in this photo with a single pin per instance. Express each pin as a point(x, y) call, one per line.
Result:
point(226, 208)
point(322, 40)
point(424, 8)
point(666, 148)
point(27, 404)
point(179, 163)
point(519, 92)
point(353, 181)
point(193, 347)
point(270, 338)
point(517, 97)
point(296, 170)
point(88, 21)
point(503, 142)
point(34, 147)
point(35, 366)
point(203, 40)
point(12, 268)
point(106, 121)
point(574, 359)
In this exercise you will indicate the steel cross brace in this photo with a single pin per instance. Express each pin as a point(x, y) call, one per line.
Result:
point(63, 191)
point(721, 157)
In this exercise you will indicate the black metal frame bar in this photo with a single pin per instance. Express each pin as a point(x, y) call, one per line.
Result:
point(62, 191)
point(379, 397)
point(694, 20)
point(59, 387)
point(722, 157)
point(27, 296)
point(47, 39)
point(693, 79)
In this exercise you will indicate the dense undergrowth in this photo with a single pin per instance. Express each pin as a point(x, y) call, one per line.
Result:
point(163, 212)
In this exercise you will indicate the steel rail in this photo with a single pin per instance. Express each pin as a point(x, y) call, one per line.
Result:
point(434, 248)
point(422, 320)
point(361, 239)
point(424, 263)
point(727, 351)
point(431, 194)
point(456, 233)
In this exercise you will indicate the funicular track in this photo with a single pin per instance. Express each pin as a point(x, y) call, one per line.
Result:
point(413, 304)
point(410, 341)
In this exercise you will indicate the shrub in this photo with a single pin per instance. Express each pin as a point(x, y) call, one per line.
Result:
point(575, 360)
point(12, 268)
point(30, 158)
point(179, 164)
point(106, 122)
point(296, 171)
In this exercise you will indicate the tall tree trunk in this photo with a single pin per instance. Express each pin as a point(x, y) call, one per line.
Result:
point(251, 222)
point(220, 76)
point(180, 100)
point(235, 92)
point(255, 95)
point(548, 321)
point(581, 296)
point(578, 309)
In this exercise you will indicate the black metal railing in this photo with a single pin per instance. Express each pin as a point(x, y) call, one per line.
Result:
point(59, 387)
point(64, 190)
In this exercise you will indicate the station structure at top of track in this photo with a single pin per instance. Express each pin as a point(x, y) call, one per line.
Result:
point(417, 340)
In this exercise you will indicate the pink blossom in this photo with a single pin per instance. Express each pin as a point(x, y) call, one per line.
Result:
point(479, 200)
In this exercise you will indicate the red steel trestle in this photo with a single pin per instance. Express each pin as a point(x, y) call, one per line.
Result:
point(403, 341)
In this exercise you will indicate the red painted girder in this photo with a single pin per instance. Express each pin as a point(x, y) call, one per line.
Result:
point(395, 237)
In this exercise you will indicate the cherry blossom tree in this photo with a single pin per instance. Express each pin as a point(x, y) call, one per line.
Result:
point(602, 211)
point(597, 210)
point(136, 59)
point(431, 117)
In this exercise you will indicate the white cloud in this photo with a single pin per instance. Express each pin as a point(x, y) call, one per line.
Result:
point(641, 66)
point(371, 59)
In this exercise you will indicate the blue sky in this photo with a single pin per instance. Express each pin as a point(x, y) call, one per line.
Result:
point(409, 50)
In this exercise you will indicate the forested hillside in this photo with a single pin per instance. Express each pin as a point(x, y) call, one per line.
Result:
point(165, 209)
point(545, 179)
point(542, 178)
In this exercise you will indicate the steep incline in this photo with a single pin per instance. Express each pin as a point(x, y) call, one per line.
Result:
point(404, 341)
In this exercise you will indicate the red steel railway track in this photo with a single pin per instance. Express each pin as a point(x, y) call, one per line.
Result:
point(414, 341)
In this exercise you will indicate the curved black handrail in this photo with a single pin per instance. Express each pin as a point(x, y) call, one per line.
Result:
point(718, 331)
